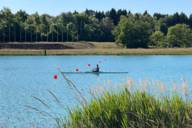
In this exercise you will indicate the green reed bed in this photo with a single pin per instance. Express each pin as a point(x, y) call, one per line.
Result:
point(127, 109)
point(134, 110)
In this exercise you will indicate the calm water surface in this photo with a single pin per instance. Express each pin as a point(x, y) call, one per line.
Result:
point(23, 78)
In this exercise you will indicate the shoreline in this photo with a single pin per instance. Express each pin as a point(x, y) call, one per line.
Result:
point(28, 52)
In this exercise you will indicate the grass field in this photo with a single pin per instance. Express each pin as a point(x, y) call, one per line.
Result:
point(93, 48)
point(20, 52)
point(179, 51)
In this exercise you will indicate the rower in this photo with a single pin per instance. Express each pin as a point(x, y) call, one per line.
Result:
point(96, 69)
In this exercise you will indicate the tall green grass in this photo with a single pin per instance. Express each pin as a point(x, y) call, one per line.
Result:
point(134, 110)
point(125, 109)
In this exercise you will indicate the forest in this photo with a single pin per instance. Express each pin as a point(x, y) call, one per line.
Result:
point(130, 30)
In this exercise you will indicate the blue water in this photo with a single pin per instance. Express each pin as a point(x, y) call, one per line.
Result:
point(22, 78)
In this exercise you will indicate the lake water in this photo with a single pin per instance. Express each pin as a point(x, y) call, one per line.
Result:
point(22, 78)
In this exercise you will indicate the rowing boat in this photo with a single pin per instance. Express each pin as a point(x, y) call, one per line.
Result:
point(95, 72)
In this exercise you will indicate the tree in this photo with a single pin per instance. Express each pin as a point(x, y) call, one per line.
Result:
point(44, 27)
point(172, 20)
point(112, 14)
point(183, 19)
point(106, 27)
point(158, 16)
point(72, 32)
point(7, 25)
point(120, 13)
point(99, 15)
point(132, 33)
point(89, 12)
point(157, 39)
point(80, 21)
point(20, 18)
point(190, 21)
point(179, 35)
point(133, 30)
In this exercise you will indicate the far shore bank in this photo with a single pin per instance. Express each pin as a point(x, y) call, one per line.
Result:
point(165, 51)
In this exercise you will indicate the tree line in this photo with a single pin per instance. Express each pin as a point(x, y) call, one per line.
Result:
point(128, 29)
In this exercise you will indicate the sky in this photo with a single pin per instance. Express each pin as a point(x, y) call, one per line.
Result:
point(55, 7)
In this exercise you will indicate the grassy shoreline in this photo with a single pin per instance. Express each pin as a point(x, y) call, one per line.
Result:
point(118, 51)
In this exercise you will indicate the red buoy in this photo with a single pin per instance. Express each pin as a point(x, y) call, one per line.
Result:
point(55, 77)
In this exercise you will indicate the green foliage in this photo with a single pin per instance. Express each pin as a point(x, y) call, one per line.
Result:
point(157, 39)
point(172, 20)
point(132, 33)
point(135, 110)
point(179, 36)
point(86, 26)
point(127, 29)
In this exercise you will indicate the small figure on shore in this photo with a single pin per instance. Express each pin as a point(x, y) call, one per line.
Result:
point(96, 69)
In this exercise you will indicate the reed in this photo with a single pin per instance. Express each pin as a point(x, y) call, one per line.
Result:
point(137, 109)
point(125, 108)
point(134, 110)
